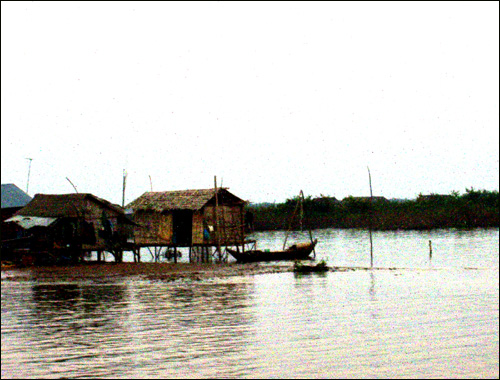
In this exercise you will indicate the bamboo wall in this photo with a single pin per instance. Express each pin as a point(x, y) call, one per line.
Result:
point(198, 228)
point(93, 214)
point(154, 228)
point(230, 221)
point(157, 229)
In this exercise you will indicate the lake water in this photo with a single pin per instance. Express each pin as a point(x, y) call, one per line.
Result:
point(411, 317)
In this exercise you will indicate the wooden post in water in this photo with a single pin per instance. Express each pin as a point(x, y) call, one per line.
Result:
point(301, 200)
point(137, 255)
point(222, 257)
point(217, 218)
point(430, 250)
point(370, 221)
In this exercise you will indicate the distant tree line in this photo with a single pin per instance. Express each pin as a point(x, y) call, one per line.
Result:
point(474, 208)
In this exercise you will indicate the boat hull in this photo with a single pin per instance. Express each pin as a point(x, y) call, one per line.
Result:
point(295, 252)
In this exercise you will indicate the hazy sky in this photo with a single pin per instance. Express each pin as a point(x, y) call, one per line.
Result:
point(270, 97)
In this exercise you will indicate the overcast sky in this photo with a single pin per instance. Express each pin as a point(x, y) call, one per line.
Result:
point(269, 97)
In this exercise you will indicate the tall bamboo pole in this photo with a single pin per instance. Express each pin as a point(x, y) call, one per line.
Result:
point(300, 208)
point(217, 218)
point(370, 220)
point(124, 183)
point(290, 221)
point(74, 187)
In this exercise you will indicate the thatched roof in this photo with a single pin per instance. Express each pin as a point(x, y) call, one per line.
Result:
point(181, 200)
point(64, 205)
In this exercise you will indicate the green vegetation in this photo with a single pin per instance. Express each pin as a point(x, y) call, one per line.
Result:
point(299, 267)
point(474, 208)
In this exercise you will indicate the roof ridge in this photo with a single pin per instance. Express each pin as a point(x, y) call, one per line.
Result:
point(186, 190)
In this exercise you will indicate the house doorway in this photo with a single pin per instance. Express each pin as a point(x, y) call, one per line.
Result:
point(183, 227)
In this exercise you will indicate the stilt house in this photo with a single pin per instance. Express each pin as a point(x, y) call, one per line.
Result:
point(66, 226)
point(188, 218)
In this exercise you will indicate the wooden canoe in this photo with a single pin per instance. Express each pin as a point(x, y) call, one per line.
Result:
point(295, 252)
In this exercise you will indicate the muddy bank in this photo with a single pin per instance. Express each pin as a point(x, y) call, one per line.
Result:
point(152, 271)
point(104, 272)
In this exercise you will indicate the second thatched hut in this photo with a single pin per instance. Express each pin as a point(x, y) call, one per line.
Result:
point(204, 219)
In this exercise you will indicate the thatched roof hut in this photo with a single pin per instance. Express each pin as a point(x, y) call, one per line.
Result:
point(188, 217)
point(73, 222)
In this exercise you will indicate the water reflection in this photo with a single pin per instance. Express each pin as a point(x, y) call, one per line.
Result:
point(374, 312)
point(203, 324)
point(299, 275)
point(372, 286)
point(57, 300)
point(134, 330)
point(48, 299)
point(67, 328)
point(75, 315)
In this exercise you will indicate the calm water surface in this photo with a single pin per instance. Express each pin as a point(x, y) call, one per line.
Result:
point(426, 319)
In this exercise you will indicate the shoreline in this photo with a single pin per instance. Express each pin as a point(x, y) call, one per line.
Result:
point(109, 271)
point(149, 271)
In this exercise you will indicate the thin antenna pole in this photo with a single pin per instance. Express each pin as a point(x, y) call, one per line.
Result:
point(124, 184)
point(29, 171)
point(370, 223)
point(74, 187)
point(151, 183)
